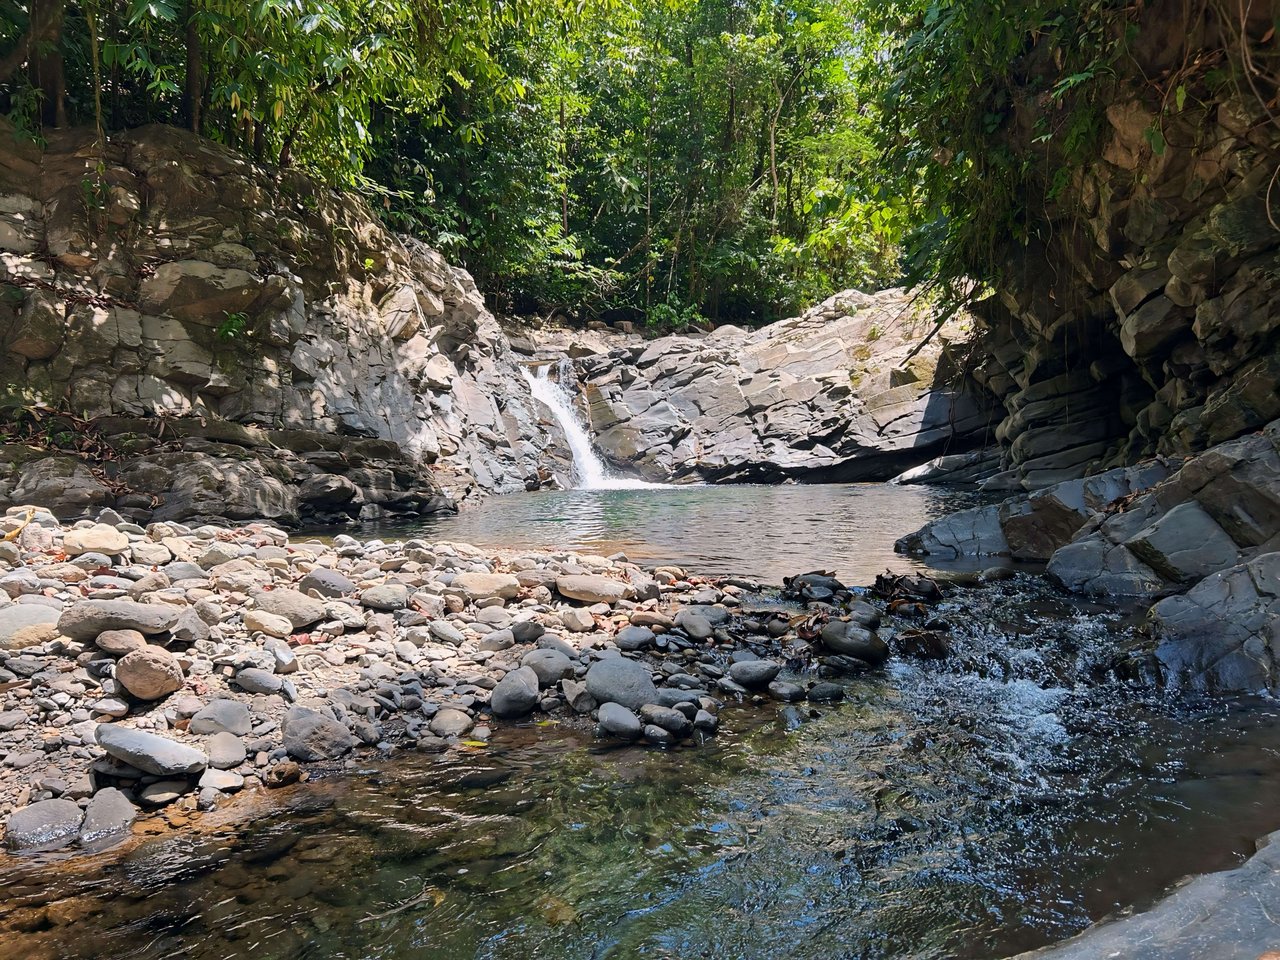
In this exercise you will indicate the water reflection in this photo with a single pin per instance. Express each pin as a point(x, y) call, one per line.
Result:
point(760, 532)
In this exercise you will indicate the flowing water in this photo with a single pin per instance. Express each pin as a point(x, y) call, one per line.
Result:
point(968, 808)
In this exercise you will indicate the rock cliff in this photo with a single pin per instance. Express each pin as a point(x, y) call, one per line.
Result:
point(844, 392)
point(239, 343)
point(1141, 316)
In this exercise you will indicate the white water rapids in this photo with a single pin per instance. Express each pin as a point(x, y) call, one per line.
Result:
point(590, 473)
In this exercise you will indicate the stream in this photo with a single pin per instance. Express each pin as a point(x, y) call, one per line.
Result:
point(972, 807)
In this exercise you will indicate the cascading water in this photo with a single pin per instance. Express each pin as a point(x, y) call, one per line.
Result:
point(589, 470)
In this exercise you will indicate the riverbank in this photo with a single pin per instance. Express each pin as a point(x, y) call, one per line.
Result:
point(145, 667)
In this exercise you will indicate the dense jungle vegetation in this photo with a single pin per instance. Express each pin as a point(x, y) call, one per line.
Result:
point(675, 161)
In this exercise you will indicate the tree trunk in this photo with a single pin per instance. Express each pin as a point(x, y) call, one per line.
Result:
point(45, 62)
point(193, 90)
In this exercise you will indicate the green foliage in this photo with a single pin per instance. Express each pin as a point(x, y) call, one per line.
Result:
point(233, 326)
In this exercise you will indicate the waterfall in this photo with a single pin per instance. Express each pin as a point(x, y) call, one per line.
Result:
point(589, 470)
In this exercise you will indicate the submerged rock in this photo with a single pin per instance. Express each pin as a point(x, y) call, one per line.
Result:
point(46, 825)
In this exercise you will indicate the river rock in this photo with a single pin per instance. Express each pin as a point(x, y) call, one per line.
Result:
point(388, 596)
point(120, 642)
point(311, 736)
point(617, 721)
point(449, 722)
point(577, 620)
point(222, 715)
point(618, 680)
point(853, 640)
point(17, 618)
point(88, 618)
point(551, 666)
point(108, 817)
point(98, 538)
point(327, 583)
point(481, 586)
point(695, 625)
point(257, 680)
point(222, 780)
point(149, 752)
point(634, 638)
point(299, 609)
point(150, 673)
point(826, 692)
point(590, 588)
point(527, 631)
point(667, 718)
point(226, 750)
point(516, 694)
point(273, 625)
point(46, 825)
point(754, 674)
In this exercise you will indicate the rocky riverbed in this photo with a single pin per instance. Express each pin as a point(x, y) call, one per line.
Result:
point(166, 667)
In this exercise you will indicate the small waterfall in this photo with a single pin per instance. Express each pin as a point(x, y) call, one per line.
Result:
point(589, 470)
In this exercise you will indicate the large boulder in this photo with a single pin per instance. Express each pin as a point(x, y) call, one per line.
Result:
point(88, 618)
point(17, 619)
point(148, 752)
point(46, 825)
point(515, 695)
point(591, 588)
point(299, 609)
point(618, 680)
point(311, 736)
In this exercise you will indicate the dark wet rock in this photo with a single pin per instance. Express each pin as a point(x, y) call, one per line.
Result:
point(527, 631)
point(516, 694)
point(634, 638)
point(310, 736)
point(149, 752)
point(668, 718)
point(706, 722)
point(618, 680)
point(852, 640)
point(659, 736)
point(617, 721)
point(754, 674)
point(108, 817)
point(88, 618)
point(921, 644)
point(222, 715)
point(786, 691)
point(46, 825)
point(826, 692)
point(449, 722)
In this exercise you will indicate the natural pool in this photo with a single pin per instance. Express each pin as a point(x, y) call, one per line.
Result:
point(969, 808)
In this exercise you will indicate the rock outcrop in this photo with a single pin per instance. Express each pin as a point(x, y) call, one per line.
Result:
point(844, 392)
point(1141, 316)
point(239, 343)
point(1201, 542)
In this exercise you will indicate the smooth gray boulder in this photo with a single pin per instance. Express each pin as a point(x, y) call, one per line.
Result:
point(618, 680)
point(634, 638)
point(754, 674)
point(108, 817)
point(46, 825)
point(515, 695)
point(222, 715)
point(590, 588)
point(617, 721)
point(88, 618)
point(852, 640)
point(551, 666)
point(327, 583)
point(149, 752)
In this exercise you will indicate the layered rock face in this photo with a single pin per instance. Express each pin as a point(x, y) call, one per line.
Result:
point(261, 346)
point(1197, 543)
point(1149, 322)
point(840, 393)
